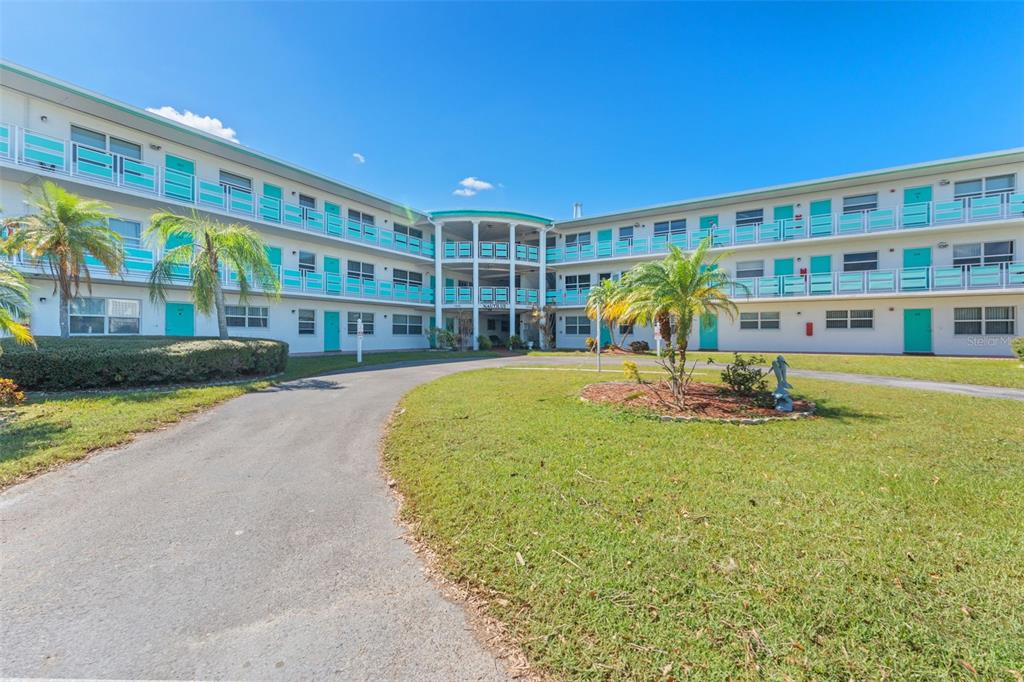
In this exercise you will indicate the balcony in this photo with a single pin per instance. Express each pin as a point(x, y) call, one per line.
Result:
point(64, 158)
point(493, 297)
point(138, 265)
point(904, 217)
point(463, 250)
point(936, 279)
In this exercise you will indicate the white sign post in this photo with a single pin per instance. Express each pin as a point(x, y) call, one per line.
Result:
point(359, 340)
point(657, 339)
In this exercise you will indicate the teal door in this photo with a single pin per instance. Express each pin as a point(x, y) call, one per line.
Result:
point(783, 266)
point(917, 330)
point(917, 195)
point(783, 212)
point(709, 332)
point(917, 258)
point(821, 264)
point(332, 330)
point(179, 319)
point(821, 207)
point(606, 336)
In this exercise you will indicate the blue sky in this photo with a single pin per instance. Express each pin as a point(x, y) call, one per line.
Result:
point(614, 105)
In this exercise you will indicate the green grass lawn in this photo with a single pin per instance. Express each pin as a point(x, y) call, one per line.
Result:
point(880, 540)
point(1005, 372)
point(45, 432)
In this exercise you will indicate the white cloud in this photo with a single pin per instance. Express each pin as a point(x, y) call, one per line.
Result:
point(207, 124)
point(464, 192)
point(475, 184)
point(358, 157)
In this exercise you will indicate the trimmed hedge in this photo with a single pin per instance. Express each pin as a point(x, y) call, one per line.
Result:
point(1018, 347)
point(110, 361)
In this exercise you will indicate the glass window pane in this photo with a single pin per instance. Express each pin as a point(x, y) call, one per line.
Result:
point(88, 306)
point(89, 138)
point(124, 325)
point(967, 188)
point(962, 314)
point(86, 324)
point(999, 183)
point(125, 148)
point(235, 180)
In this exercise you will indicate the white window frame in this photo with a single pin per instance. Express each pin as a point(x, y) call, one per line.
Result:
point(361, 270)
point(626, 234)
point(254, 316)
point(983, 316)
point(667, 228)
point(409, 231)
point(307, 322)
point(983, 184)
point(577, 282)
point(860, 203)
point(577, 239)
point(749, 216)
point(574, 328)
point(352, 320)
point(359, 216)
point(407, 277)
point(108, 303)
point(307, 267)
point(406, 325)
point(983, 256)
point(860, 261)
point(770, 320)
point(749, 266)
point(234, 180)
point(850, 319)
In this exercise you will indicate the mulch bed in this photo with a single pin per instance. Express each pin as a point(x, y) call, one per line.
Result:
point(712, 402)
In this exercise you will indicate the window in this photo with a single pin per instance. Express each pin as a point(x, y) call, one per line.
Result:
point(760, 320)
point(307, 261)
point(492, 324)
point(752, 216)
point(987, 187)
point(307, 203)
point(408, 278)
point(129, 230)
point(860, 202)
point(577, 239)
point(229, 179)
point(849, 319)
point(989, 320)
point(353, 323)
point(577, 281)
point(626, 234)
point(750, 268)
point(551, 241)
point(602, 276)
point(104, 316)
point(364, 218)
point(89, 138)
point(988, 253)
point(625, 329)
point(359, 270)
point(577, 325)
point(242, 316)
point(406, 325)
point(858, 262)
point(411, 231)
point(670, 227)
point(307, 321)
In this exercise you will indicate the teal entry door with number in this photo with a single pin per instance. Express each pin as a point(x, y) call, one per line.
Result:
point(332, 330)
point(917, 330)
point(709, 332)
point(179, 319)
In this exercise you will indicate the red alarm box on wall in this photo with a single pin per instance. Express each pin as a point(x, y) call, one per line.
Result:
point(809, 329)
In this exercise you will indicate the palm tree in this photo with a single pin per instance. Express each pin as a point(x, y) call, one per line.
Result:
point(14, 304)
point(63, 232)
point(208, 246)
point(610, 298)
point(675, 292)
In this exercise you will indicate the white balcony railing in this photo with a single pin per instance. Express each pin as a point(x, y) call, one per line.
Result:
point(903, 217)
point(65, 158)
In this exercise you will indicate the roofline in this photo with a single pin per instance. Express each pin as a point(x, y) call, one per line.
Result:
point(45, 79)
point(804, 185)
point(474, 213)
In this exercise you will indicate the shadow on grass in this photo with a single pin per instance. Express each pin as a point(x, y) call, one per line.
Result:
point(18, 435)
point(311, 384)
point(398, 364)
point(827, 409)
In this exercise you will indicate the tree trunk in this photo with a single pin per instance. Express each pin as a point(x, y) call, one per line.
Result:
point(665, 325)
point(218, 293)
point(65, 310)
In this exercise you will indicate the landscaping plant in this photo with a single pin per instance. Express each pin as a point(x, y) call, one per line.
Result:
point(205, 247)
point(675, 293)
point(639, 346)
point(609, 299)
point(746, 375)
point(515, 342)
point(1018, 347)
point(62, 233)
point(484, 342)
point(10, 394)
point(14, 304)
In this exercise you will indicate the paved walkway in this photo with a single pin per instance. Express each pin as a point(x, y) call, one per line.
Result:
point(614, 364)
point(256, 540)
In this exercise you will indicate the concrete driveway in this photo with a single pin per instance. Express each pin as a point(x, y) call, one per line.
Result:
point(254, 541)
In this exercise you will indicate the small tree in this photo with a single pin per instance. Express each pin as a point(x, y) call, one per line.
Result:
point(63, 233)
point(675, 292)
point(206, 246)
point(14, 304)
point(610, 298)
point(544, 318)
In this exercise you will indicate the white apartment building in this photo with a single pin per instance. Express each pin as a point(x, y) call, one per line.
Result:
point(916, 259)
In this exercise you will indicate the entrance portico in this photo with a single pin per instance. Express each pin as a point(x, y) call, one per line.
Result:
point(489, 262)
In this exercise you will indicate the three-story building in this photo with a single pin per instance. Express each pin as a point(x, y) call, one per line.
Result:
point(917, 259)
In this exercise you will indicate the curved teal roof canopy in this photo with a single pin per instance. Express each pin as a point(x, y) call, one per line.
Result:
point(501, 215)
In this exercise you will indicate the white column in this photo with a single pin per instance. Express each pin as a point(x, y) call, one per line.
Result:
point(511, 279)
point(542, 284)
point(438, 275)
point(476, 284)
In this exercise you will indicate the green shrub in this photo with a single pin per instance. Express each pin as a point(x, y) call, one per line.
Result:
point(101, 362)
point(485, 343)
point(744, 376)
point(1018, 347)
point(515, 342)
point(639, 346)
point(591, 343)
